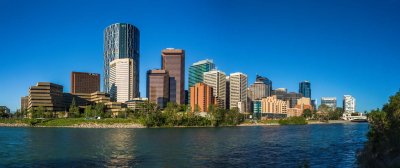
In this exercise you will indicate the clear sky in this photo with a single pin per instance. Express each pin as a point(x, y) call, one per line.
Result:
point(340, 46)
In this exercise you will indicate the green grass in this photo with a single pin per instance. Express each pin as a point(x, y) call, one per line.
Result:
point(293, 121)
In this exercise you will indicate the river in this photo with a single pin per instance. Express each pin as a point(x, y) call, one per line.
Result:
point(318, 145)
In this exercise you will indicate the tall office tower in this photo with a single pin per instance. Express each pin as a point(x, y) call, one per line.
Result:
point(227, 88)
point(24, 103)
point(305, 88)
point(122, 80)
point(201, 97)
point(158, 87)
point(121, 40)
point(217, 80)
point(259, 90)
point(280, 93)
point(197, 69)
point(349, 104)
point(173, 61)
point(238, 90)
point(82, 82)
point(329, 101)
point(267, 82)
point(47, 95)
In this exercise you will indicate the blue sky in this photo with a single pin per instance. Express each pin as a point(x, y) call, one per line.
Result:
point(341, 46)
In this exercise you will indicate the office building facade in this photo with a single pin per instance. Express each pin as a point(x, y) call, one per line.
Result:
point(121, 40)
point(329, 101)
point(305, 88)
point(217, 80)
point(201, 97)
point(82, 82)
point(273, 105)
point(157, 87)
point(122, 80)
point(197, 69)
point(267, 82)
point(238, 90)
point(173, 61)
point(47, 95)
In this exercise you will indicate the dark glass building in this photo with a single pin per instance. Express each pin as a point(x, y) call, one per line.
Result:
point(173, 61)
point(121, 40)
point(305, 89)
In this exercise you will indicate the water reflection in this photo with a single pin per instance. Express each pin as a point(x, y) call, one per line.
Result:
point(332, 145)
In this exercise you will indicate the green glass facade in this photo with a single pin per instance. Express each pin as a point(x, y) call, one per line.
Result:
point(197, 69)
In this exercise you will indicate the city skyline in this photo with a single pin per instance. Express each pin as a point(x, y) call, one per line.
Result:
point(88, 48)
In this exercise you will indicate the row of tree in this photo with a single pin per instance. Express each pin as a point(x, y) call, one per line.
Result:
point(325, 113)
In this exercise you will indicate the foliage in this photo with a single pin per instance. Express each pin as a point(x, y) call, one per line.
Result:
point(74, 109)
point(293, 121)
point(383, 146)
point(307, 113)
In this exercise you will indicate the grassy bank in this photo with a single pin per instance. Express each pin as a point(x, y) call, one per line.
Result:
point(68, 121)
point(293, 121)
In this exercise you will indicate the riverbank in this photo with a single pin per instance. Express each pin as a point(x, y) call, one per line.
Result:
point(125, 123)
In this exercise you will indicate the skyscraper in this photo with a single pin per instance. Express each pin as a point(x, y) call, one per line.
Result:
point(305, 88)
point(121, 40)
point(158, 87)
point(173, 61)
point(349, 104)
point(82, 82)
point(267, 82)
point(329, 101)
point(121, 82)
point(238, 90)
point(197, 69)
point(259, 90)
point(217, 80)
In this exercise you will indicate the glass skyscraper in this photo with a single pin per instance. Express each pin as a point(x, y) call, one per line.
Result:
point(305, 89)
point(197, 69)
point(121, 40)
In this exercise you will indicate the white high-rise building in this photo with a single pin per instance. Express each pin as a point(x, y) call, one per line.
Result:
point(238, 90)
point(122, 79)
point(349, 104)
point(217, 80)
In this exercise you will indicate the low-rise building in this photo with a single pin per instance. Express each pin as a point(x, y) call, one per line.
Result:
point(272, 107)
point(136, 103)
point(47, 95)
point(294, 112)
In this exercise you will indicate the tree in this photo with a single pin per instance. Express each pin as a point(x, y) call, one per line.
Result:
point(88, 111)
point(307, 113)
point(40, 112)
point(74, 109)
point(383, 146)
point(99, 110)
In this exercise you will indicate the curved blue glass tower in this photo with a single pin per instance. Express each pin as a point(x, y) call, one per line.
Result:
point(121, 40)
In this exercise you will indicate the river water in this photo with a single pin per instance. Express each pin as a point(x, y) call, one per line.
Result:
point(329, 145)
